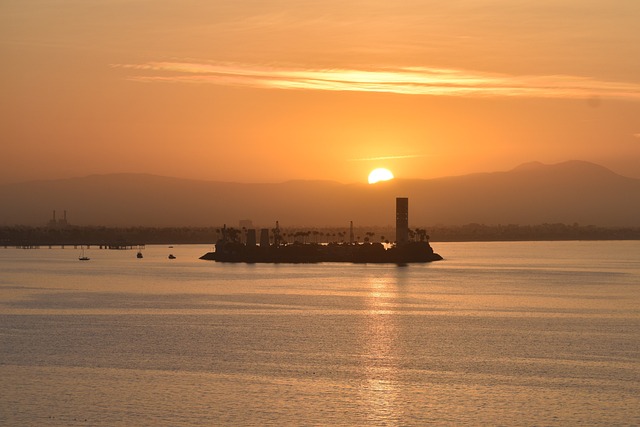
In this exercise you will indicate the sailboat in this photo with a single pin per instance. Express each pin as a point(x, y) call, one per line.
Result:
point(83, 257)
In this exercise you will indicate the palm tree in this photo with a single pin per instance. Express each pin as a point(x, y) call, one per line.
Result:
point(233, 233)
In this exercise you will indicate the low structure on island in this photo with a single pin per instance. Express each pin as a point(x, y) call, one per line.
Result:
point(272, 248)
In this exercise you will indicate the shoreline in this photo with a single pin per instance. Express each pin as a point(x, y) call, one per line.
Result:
point(28, 236)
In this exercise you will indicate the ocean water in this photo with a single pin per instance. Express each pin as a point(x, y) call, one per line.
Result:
point(524, 333)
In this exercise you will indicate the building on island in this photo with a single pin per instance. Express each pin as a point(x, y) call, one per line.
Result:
point(402, 220)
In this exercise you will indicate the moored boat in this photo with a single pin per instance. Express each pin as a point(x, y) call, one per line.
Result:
point(83, 257)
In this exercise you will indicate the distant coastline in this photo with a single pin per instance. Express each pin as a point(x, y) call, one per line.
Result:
point(18, 235)
point(574, 191)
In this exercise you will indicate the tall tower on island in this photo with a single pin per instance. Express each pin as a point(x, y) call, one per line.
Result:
point(402, 220)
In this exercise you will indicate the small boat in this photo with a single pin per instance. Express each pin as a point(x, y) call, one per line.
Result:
point(172, 256)
point(139, 255)
point(83, 257)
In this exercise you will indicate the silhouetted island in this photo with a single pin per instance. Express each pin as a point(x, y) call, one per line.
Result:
point(272, 249)
point(332, 252)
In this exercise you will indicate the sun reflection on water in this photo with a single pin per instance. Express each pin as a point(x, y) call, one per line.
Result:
point(379, 390)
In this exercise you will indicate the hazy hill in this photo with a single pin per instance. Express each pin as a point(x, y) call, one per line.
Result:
point(529, 194)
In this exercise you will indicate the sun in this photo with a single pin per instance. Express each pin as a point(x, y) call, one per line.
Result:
point(380, 174)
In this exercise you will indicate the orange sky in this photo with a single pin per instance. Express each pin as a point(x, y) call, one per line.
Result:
point(257, 91)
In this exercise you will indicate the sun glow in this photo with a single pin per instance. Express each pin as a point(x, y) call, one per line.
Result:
point(380, 174)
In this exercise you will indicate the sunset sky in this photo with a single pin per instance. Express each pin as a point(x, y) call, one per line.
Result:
point(269, 91)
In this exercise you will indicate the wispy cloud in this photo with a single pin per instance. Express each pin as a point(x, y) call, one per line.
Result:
point(407, 80)
point(367, 159)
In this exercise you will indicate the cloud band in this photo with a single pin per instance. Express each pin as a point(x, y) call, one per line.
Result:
point(407, 80)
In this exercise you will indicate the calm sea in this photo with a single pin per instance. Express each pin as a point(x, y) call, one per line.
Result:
point(544, 333)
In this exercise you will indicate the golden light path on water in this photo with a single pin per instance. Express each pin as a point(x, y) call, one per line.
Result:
point(380, 391)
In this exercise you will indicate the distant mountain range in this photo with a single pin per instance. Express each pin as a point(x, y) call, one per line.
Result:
point(533, 193)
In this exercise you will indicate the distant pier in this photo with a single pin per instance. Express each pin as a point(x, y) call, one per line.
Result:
point(112, 246)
